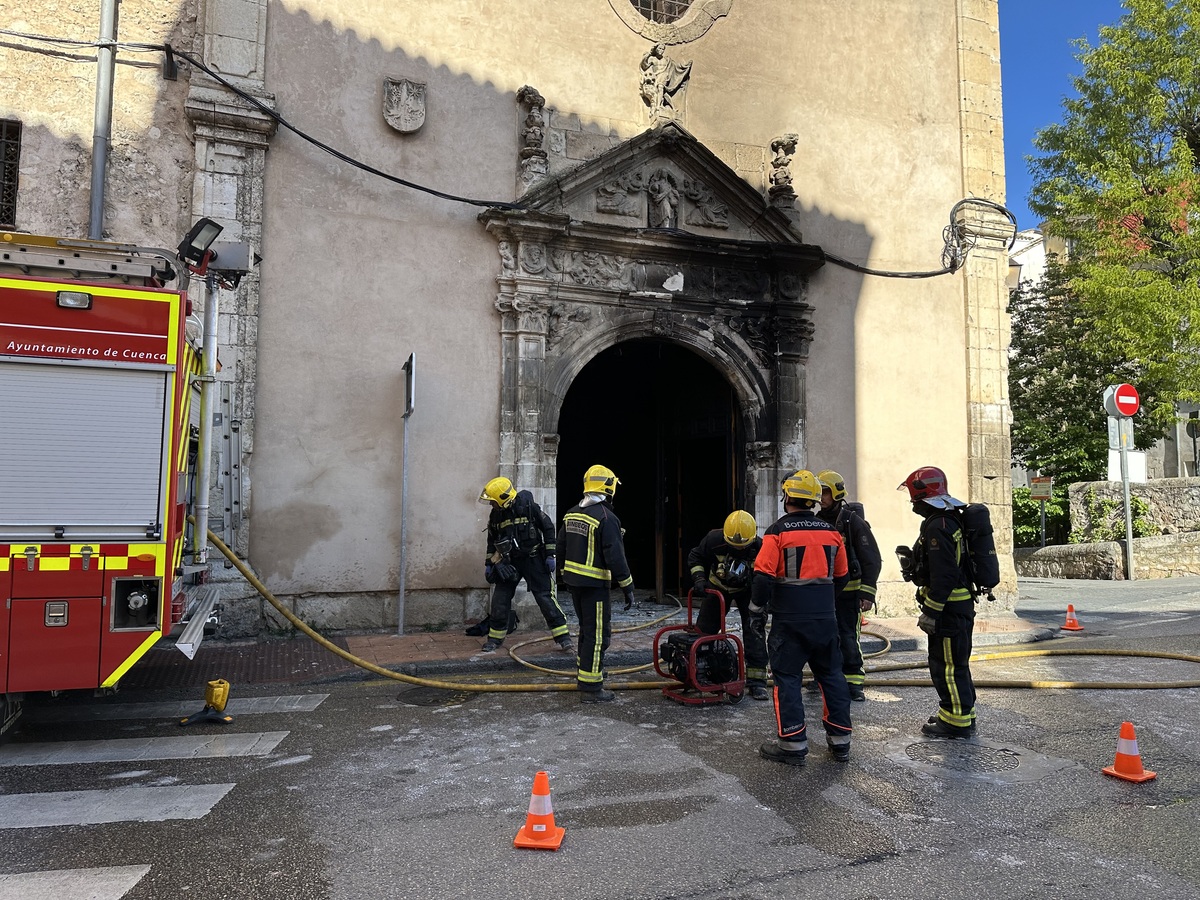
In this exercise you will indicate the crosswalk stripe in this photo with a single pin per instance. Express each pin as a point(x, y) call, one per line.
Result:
point(133, 749)
point(242, 706)
point(123, 804)
point(108, 883)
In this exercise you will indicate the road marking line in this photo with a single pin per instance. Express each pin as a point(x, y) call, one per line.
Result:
point(134, 749)
point(123, 804)
point(247, 706)
point(109, 883)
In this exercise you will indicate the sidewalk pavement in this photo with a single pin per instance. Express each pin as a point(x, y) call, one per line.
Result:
point(431, 654)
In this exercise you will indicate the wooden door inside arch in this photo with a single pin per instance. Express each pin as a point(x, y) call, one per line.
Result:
point(667, 423)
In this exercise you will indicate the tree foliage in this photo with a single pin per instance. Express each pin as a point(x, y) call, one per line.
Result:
point(1118, 179)
point(1058, 371)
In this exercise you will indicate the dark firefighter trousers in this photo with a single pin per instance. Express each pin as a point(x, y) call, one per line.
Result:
point(949, 663)
point(814, 641)
point(594, 610)
point(849, 620)
point(538, 580)
point(708, 622)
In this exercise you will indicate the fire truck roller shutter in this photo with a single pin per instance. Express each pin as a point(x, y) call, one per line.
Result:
point(83, 449)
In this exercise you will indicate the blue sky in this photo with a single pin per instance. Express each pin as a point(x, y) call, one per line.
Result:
point(1037, 62)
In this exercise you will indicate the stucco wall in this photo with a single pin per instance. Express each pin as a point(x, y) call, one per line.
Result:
point(53, 93)
point(357, 273)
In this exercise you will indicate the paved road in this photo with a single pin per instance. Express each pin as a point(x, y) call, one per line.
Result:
point(348, 788)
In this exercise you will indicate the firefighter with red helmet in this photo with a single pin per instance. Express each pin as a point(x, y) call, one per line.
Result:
point(593, 552)
point(724, 561)
point(855, 594)
point(938, 564)
point(794, 573)
point(520, 544)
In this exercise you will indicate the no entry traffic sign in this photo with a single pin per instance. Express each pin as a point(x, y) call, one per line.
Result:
point(1122, 400)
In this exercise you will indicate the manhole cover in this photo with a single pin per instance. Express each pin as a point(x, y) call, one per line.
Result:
point(977, 758)
point(426, 696)
point(963, 757)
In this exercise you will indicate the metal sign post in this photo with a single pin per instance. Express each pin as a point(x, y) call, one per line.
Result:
point(1122, 402)
point(1193, 431)
point(410, 375)
point(1041, 487)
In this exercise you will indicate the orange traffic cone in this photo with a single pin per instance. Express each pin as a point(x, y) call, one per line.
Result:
point(1072, 623)
point(539, 831)
point(862, 621)
point(1128, 764)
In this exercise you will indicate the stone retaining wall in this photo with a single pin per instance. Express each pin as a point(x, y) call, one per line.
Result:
point(1164, 556)
point(1174, 504)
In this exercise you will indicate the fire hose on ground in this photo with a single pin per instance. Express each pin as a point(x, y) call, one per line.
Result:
point(650, 685)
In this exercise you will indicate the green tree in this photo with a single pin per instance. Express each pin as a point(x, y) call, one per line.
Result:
point(1118, 179)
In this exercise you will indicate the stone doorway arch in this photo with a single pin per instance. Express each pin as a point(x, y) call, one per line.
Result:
point(582, 270)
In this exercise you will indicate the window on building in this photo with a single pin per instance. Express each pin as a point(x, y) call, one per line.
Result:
point(10, 157)
point(662, 11)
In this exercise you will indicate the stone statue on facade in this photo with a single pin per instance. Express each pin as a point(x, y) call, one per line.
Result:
point(663, 195)
point(663, 82)
point(780, 190)
point(533, 155)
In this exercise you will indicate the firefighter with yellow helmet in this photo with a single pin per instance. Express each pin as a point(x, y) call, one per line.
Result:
point(855, 594)
point(724, 561)
point(593, 552)
point(520, 544)
point(800, 557)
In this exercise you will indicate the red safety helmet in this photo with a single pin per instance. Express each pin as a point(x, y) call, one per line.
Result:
point(928, 483)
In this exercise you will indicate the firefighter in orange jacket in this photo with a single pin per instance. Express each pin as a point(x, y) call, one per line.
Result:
point(793, 577)
point(724, 561)
point(937, 565)
point(593, 556)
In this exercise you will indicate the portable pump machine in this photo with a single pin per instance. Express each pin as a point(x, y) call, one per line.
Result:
point(711, 668)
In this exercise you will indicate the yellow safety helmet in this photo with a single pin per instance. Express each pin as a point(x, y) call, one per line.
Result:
point(600, 480)
point(835, 482)
point(499, 491)
point(802, 486)
point(740, 528)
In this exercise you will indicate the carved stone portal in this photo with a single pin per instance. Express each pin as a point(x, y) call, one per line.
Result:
point(572, 282)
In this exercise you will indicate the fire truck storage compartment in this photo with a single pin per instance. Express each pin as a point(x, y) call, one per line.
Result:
point(135, 603)
point(84, 451)
point(53, 644)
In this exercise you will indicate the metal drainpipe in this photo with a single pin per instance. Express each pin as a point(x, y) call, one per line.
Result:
point(208, 380)
point(106, 61)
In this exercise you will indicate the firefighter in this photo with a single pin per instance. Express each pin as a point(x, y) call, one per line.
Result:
point(937, 564)
point(594, 557)
point(724, 561)
point(794, 573)
point(854, 594)
point(520, 544)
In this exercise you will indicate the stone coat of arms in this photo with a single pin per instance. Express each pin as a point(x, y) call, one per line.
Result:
point(404, 104)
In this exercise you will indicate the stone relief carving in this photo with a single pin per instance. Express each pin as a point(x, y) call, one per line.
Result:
point(763, 454)
point(793, 335)
point(740, 284)
point(662, 323)
point(663, 193)
point(756, 332)
point(564, 319)
point(692, 24)
point(617, 196)
point(780, 190)
point(533, 257)
point(589, 267)
point(533, 155)
point(403, 104)
point(533, 314)
point(508, 260)
point(791, 285)
point(706, 210)
point(663, 83)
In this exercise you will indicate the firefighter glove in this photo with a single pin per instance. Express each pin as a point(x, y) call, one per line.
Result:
point(550, 564)
point(489, 573)
point(629, 596)
point(507, 572)
point(865, 601)
point(700, 584)
point(927, 623)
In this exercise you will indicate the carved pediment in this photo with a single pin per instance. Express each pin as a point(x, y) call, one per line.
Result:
point(663, 179)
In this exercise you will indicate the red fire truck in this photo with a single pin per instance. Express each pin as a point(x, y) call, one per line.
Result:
point(96, 434)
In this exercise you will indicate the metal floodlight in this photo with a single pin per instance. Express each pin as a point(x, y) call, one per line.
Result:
point(194, 247)
point(74, 300)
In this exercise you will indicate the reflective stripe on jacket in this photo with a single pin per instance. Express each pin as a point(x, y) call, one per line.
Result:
point(794, 571)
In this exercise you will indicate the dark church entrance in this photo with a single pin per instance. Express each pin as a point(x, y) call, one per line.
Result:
point(668, 424)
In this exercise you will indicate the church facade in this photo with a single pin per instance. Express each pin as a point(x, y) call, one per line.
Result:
point(673, 238)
